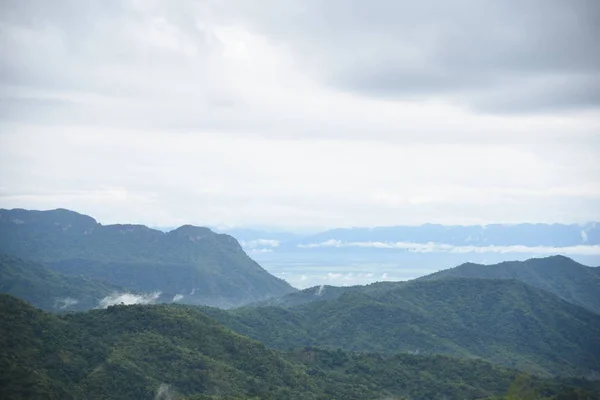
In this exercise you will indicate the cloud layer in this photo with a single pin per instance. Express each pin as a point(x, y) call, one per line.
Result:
point(302, 113)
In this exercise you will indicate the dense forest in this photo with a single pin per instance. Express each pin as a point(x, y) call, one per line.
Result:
point(145, 351)
point(560, 275)
point(504, 321)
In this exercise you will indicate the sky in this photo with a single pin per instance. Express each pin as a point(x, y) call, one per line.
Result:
point(302, 114)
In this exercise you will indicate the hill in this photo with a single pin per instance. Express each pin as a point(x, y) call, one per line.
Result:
point(504, 321)
point(198, 265)
point(174, 351)
point(560, 275)
point(325, 292)
point(50, 290)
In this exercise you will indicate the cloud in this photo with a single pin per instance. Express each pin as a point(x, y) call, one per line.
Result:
point(416, 112)
point(164, 392)
point(447, 248)
point(128, 299)
point(65, 303)
point(177, 297)
point(259, 251)
point(502, 57)
point(253, 244)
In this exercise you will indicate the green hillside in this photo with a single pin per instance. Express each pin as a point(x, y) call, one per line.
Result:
point(50, 290)
point(325, 292)
point(174, 351)
point(202, 267)
point(504, 321)
point(560, 275)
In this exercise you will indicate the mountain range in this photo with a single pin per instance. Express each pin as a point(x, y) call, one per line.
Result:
point(195, 264)
point(512, 330)
point(521, 234)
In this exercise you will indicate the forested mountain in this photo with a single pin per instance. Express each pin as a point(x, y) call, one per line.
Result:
point(325, 292)
point(504, 321)
point(560, 275)
point(200, 266)
point(50, 290)
point(174, 351)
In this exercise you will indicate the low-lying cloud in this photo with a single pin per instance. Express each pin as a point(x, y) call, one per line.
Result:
point(164, 392)
point(432, 247)
point(128, 299)
point(259, 243)
point(177, 297)
point(65, 303)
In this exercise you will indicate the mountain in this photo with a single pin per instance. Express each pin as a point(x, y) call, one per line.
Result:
point(174, 351)
point(50, 290)
point(560, 275)
point(551, 235)
point(503, 321)
point(193, 263)
point(325, 292)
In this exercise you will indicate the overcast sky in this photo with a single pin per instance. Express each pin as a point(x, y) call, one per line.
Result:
point(302, 113)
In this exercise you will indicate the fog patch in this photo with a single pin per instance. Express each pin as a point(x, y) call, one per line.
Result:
point(177, 297)
point(65, 303)
point(164, 392)
point(128, 299)
point(320, 290)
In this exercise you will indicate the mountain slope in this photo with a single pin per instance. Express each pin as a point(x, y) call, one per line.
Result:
point(167, 351)
point(560, 275)
point(201, 266)
point(48, 289)
point(325, 292)
point(504, 321)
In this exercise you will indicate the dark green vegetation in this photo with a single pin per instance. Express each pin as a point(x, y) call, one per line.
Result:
point(137, 352)
point(50, 290)
point(504, 321)
point(560, 275)
point(201, 266)
point(325, 292)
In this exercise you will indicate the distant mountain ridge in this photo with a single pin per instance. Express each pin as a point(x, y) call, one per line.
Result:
point(574, 282)
point(200, 266)
point(359, 238)
point(524, 234)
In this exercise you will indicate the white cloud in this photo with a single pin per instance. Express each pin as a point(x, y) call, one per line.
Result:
point(220, 116)
point(66, 302)
point(177, 297)
point(259, 251)
point(252, 244)
point(128, 299)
